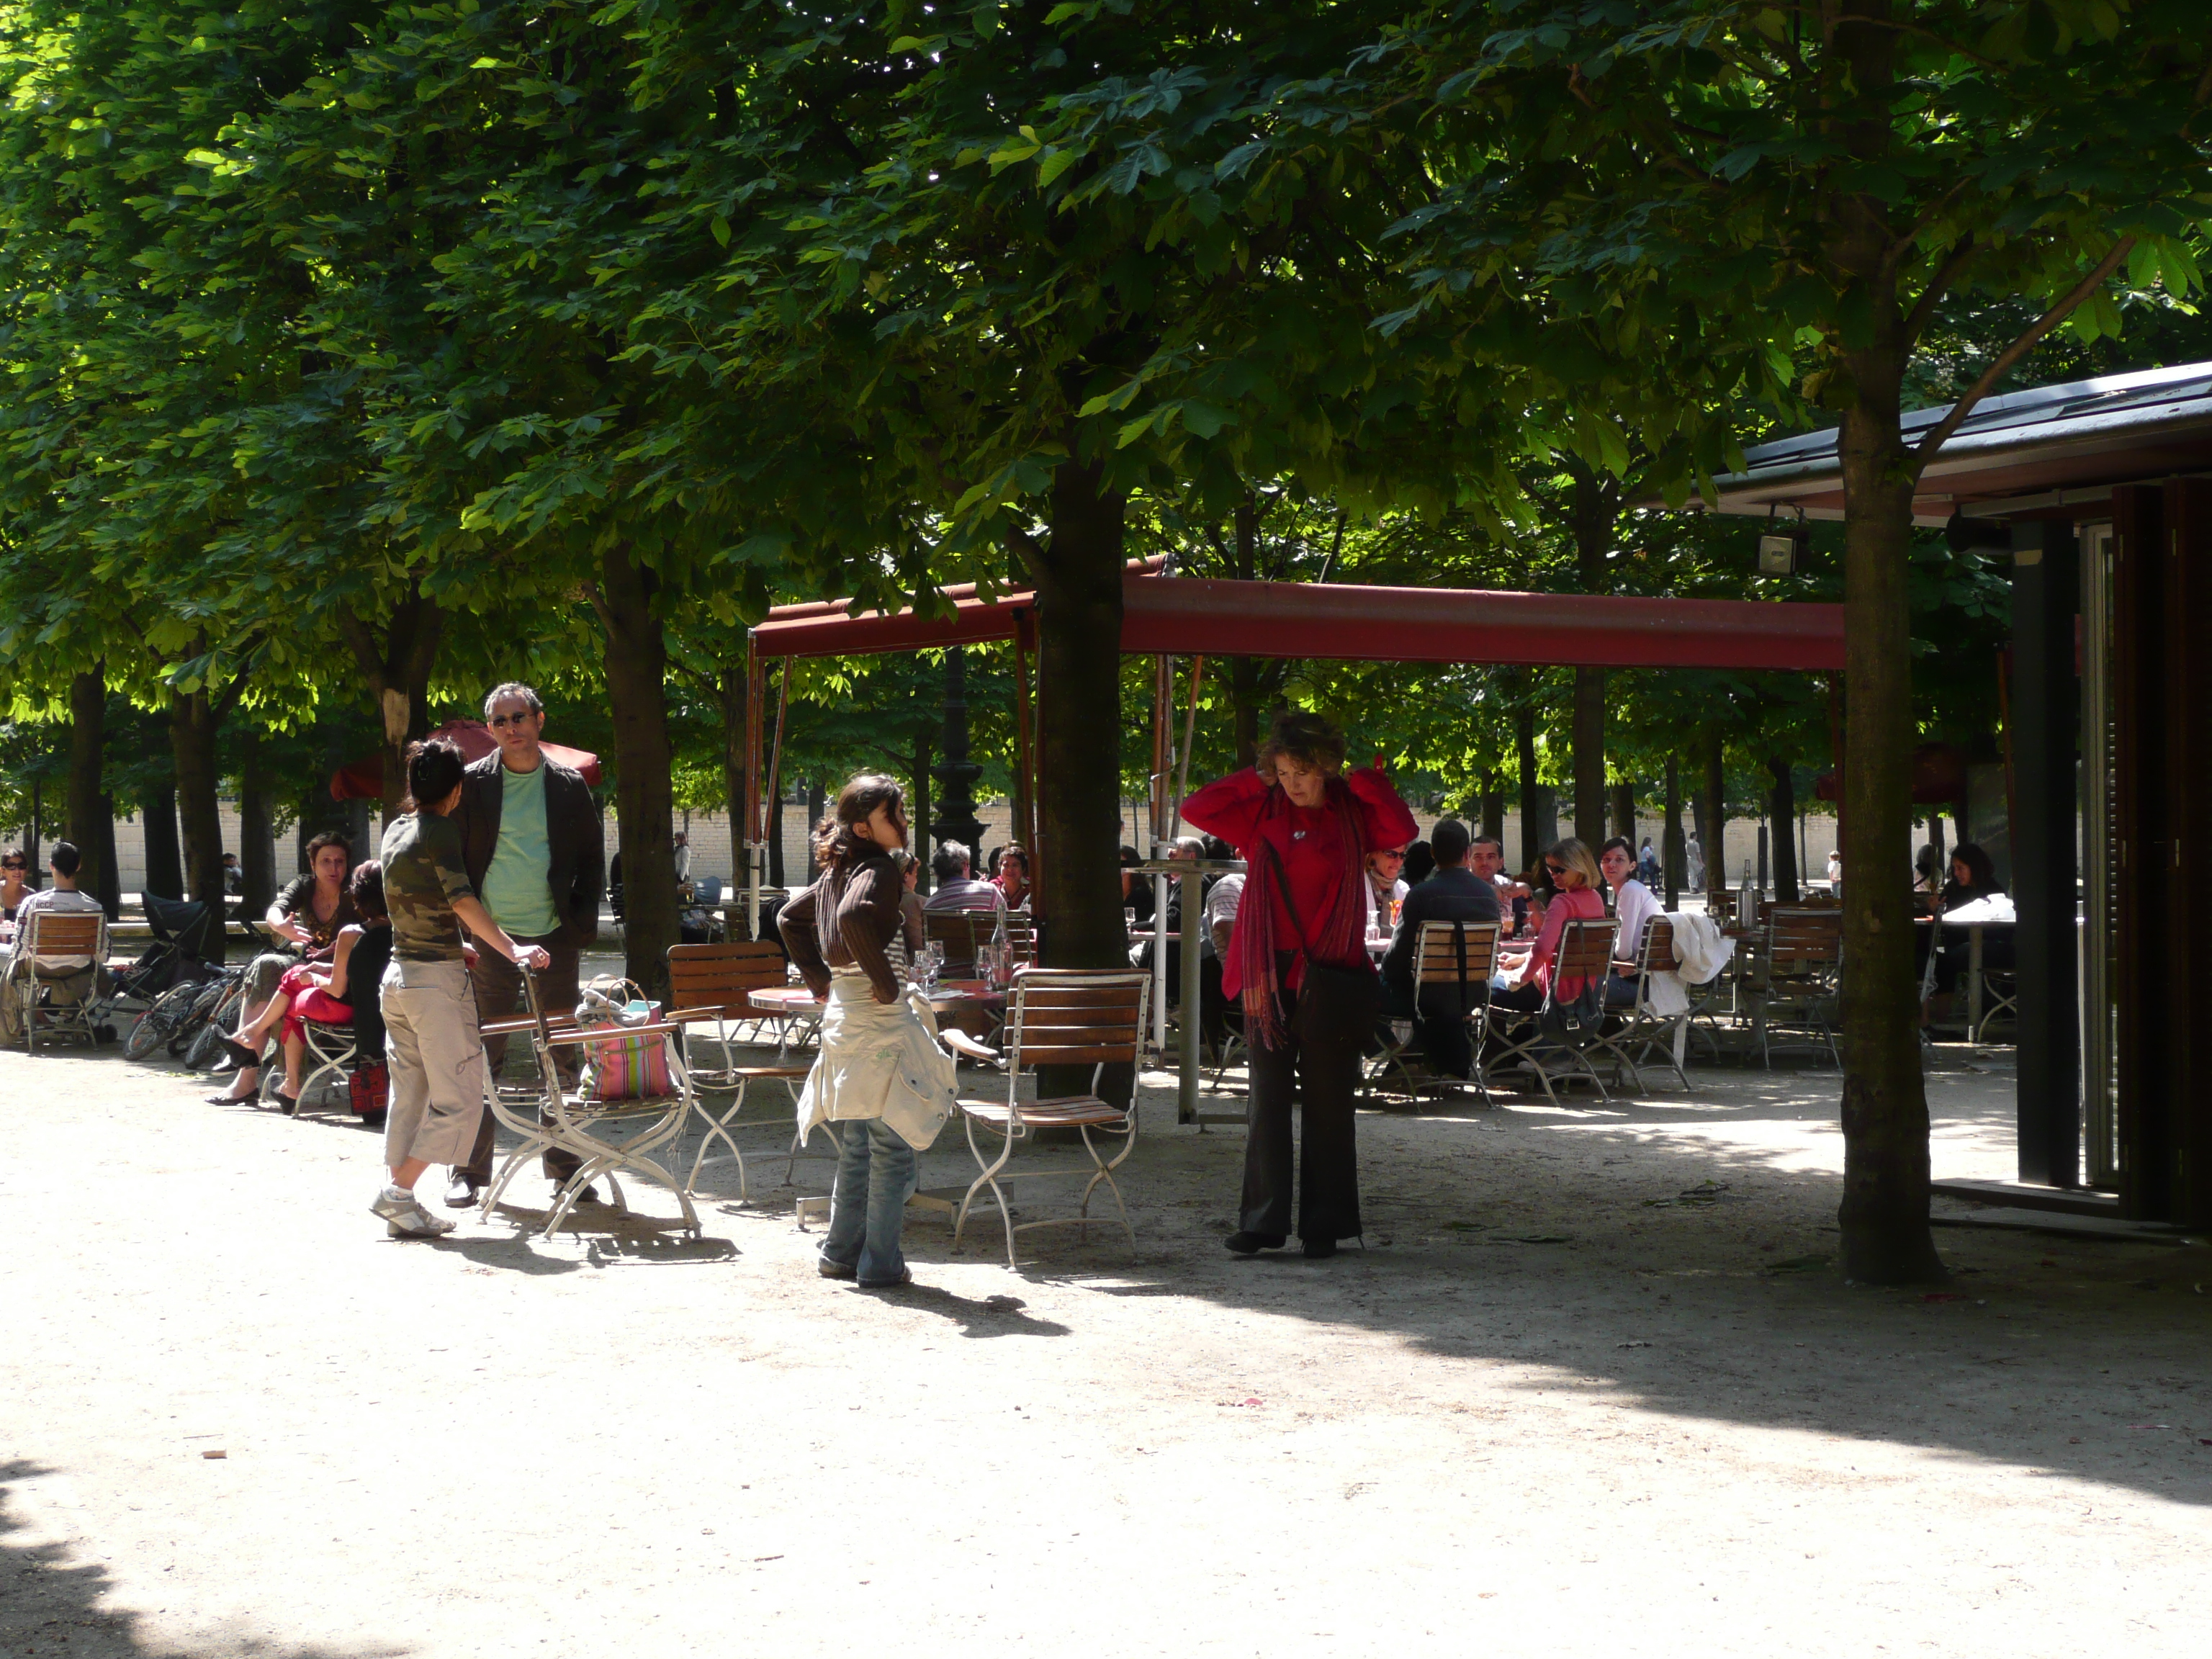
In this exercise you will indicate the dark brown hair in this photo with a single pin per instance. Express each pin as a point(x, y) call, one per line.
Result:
point(328, 838)
point(835, 846)
point(365, 887)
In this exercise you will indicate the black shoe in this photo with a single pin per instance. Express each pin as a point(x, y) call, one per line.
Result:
point(463, 1192)
point(1253, 1243)
point(1320, 1250)
point(829, 1269)
point(905, 1277)
point(589, 1196)
point(288, 1104)
point(244, 1058)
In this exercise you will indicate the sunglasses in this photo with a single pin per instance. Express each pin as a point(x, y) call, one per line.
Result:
point(13, 864)
point(498, 720)
point(1557, 869)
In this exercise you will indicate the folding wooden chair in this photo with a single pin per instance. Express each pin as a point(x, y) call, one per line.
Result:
point(1059, 1017)
point(331, 1056)
point(49, 935)
point(1799, 989)
point(1644, 1028)
point(715, 982)
point(1457, 958)
point(1585, 952)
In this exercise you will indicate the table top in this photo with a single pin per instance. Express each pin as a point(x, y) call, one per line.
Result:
point(951, 993)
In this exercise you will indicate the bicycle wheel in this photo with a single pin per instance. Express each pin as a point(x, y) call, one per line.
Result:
point(198, 1015)
point(161, 1019)
point(207, 1047)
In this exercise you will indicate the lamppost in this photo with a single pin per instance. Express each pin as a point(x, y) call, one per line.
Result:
point(955, 774)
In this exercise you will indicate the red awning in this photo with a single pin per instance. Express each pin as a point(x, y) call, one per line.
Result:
point(364, 779)
point(1192, 615)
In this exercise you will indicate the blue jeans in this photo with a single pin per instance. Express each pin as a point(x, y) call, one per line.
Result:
point(877, 1173)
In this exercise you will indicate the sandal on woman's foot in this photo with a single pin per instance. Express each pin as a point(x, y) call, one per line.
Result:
point(230, 1100)
point(246, 1059)
point(288, 1104)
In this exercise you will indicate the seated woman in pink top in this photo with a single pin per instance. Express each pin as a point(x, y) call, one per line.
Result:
point(1574, 872)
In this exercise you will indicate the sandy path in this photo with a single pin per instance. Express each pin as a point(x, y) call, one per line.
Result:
point(1660, 1431)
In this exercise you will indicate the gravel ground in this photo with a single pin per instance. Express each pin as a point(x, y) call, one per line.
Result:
point(1594, 1387)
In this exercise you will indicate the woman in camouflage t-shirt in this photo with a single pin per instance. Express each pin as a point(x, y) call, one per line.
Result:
point(431, 1040)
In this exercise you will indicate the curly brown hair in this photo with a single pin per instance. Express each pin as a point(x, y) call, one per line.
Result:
point(1310, 739)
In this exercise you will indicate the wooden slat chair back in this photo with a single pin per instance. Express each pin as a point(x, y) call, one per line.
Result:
point(1803, 966)
point(720, 979)
point(1059, 1017)
point(963, 940)
point(1021, 937)
point(1721, 906)
point(715, 983)
point(1644, 1029)
point(1585, 949)
point(1585, 952)
point(49, 934)
point(1456, 955)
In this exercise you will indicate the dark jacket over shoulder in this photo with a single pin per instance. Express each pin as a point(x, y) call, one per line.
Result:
point(1456, 894)
point(576, 845)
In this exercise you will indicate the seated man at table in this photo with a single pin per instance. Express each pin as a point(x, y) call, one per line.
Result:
point(1452, 893)
point(956, 888)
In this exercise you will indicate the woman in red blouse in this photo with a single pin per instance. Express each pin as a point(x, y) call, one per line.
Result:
point(1304, 828)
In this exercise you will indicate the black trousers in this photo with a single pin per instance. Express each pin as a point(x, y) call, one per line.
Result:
point(1322, 1077)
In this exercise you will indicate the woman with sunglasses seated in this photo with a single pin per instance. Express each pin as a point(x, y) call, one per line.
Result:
point(14, 882)
point(1574, 873)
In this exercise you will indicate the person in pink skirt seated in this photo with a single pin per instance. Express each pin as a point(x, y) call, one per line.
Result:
point(323, 992)
point(1297, 959)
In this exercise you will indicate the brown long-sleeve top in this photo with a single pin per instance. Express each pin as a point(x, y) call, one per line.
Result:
point(846, 921)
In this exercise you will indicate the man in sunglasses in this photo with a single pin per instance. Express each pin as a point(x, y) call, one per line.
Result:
point(532, 846)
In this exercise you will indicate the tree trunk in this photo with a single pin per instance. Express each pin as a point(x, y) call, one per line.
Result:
point(398, 671)
point(1673, 853)
point(1079, 722)
point(91, 819)
point(1884, 1214)
point(730, 693)
point(257, 837)
point(1620, 811)
point(1539, 819)
point(1712, 832)
point(1493, 807)
point(636, 674)
point(193, 723)
point(1589, 756)
point(1781, 813)
point(918, 827)
point(157, 813)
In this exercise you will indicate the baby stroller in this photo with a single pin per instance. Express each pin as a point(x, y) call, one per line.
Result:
point(179, 952)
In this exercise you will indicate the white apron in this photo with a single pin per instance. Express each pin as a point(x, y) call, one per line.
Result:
point(879, 1059)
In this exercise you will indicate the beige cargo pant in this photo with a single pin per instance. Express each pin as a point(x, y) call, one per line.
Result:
point(436, 1057)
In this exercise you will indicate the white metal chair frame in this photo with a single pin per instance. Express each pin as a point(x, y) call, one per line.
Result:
point(711, 983)
point(58, 934)
point(578, 1122)
point(330, 1049)
point(1585, 951)
point(1644, 1028)
point(1059, 1017)
point(1448, 955)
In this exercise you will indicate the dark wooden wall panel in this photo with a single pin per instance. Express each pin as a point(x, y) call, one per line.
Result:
point(2143, 846)
point(2179, 887)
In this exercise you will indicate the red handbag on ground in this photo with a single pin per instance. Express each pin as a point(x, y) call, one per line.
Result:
point(371, 1087)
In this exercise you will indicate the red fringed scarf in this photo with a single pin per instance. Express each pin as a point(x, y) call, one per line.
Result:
point(1342, 933)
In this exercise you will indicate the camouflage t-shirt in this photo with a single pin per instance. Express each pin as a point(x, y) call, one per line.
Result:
point(422, 877)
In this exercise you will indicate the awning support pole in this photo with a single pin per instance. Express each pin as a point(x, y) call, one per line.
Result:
point(1026, 826)
point(749, 834)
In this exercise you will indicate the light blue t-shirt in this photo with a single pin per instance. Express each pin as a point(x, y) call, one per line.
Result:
point(515, 887)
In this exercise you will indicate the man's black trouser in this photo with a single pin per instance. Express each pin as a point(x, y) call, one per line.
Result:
point(1323, 1077)
point(498, 985)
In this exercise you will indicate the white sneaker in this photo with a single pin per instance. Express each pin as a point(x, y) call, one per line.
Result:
point(407, 1219)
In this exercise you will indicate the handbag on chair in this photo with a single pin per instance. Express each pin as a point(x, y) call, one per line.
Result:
point(370, 1088)
point(623, 1067)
